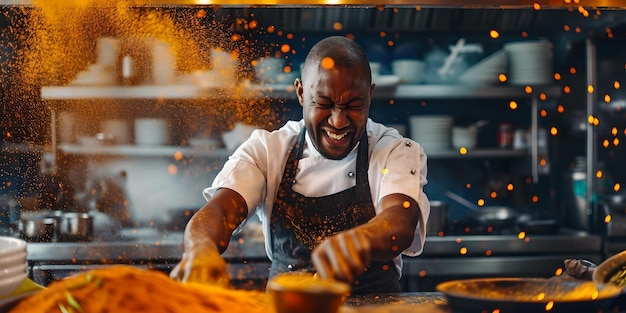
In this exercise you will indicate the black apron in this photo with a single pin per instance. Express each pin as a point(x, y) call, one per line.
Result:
point(299, 223)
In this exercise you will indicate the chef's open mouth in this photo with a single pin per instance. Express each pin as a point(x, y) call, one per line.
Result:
point(336, 136)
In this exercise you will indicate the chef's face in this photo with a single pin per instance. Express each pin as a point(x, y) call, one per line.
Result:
point(335, 104)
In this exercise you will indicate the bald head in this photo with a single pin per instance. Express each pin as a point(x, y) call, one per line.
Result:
point(343, 52)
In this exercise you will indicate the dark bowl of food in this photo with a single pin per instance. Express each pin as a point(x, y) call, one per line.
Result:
point(301, 292)
point(612, 270)
point(527, 294)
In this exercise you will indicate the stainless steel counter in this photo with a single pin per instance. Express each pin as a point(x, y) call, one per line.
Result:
point(166, 247)
point(457, 257)
point(153, 245)
point(443, 258)
point(247, 261)
point(415, 302)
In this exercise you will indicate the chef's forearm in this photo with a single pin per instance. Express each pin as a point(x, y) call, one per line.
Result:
point(215, 222)
point(392, 230)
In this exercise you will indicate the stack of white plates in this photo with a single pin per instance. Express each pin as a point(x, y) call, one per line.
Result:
point(13, 264)
point(487, 71)
point(531, 62)
point(431, 131)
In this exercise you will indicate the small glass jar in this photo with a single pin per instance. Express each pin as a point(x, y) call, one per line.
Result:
point(505, 136)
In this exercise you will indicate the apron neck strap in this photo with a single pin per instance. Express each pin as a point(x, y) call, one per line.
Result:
point(362, 159)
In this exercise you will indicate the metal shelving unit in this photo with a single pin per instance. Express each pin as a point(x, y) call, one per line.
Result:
point(191, 92)
point(142, 150)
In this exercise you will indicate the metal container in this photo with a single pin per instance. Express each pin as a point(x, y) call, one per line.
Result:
point(39, 229)
point(75, 226)
point(438, 218)
point(613, 206)
point(577, 214)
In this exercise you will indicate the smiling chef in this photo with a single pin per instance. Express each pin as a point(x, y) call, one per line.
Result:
point(337, 193)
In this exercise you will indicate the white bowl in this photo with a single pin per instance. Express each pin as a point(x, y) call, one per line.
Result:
point(13, 259)
point(409, 71)
point(463, 137)
point(10, 284)
point(151, 131)
point(13, 271)
point(11, 246)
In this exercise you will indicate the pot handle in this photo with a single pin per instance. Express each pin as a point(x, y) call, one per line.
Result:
point(466, 203)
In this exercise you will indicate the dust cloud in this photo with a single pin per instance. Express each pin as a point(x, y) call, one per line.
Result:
point(51, 42)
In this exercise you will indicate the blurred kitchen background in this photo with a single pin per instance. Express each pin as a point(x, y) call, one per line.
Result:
point(519, 109)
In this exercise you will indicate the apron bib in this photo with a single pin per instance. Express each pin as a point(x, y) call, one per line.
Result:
point(300, 223)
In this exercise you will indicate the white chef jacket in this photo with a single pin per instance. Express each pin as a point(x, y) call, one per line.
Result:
point(255, 170)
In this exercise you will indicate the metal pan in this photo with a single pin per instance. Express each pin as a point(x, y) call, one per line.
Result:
point(495, 216)
point(518, 295)
point(490, 216)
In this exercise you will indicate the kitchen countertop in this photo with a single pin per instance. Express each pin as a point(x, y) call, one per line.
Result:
point(136, 245)
point(445, 255)
point(151, 244)
point(436, 302)
point(415, 302)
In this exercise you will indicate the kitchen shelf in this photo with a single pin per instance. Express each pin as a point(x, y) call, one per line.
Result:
point(168, 151)
point(423, 91)
point(463, 91)
point(287, 92)
point(162, 92)
point(142, 150)
point(20, 148)
point(121, 92)
point(478, 153)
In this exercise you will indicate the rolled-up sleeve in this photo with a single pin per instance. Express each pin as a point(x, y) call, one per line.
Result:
point(244, 174)
point(404, 171)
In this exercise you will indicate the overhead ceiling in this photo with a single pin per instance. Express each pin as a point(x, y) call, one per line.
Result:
point(423, 3)
point(432, 19)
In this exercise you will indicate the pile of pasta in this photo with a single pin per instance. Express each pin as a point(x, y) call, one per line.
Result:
point(128, 289)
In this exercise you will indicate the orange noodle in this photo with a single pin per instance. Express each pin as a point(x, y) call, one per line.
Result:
point(130, 289)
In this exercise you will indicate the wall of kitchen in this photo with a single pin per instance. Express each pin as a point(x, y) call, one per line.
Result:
point(386, 35)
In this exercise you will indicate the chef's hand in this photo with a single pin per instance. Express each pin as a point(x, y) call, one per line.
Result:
point(202, 265)
point(342, 256)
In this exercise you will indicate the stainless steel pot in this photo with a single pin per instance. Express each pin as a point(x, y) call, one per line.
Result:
point(437, 220)
point(490, 216)
point(38, 229)
point(75, 226)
